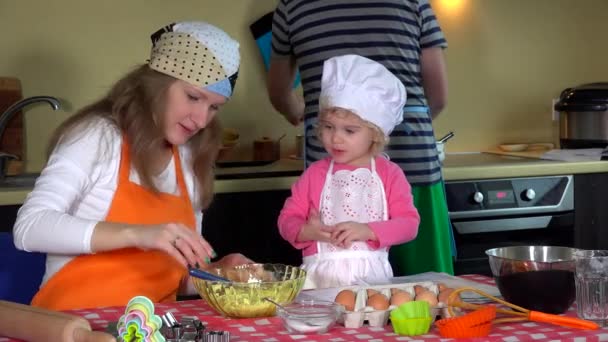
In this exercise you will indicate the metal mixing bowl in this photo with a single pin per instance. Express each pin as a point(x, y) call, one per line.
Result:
point(243, 296)
point(539, 278)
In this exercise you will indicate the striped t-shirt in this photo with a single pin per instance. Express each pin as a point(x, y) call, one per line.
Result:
point(391, 32)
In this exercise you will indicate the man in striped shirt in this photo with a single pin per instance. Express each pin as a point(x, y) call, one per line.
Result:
point(405, 37)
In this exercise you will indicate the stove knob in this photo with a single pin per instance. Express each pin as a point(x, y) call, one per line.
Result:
point(528, 194)
point(477, 197)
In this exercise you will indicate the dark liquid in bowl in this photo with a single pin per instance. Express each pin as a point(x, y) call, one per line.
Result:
point(551, 291)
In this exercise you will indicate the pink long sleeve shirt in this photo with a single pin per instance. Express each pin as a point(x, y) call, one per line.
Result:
point(403, 218)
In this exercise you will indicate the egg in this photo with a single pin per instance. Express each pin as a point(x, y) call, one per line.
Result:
point(371, 292)
point(346, 298)
point(419, 289)
point(378, 301)
point(400, 297)
point(444, 296)
point(426, 295)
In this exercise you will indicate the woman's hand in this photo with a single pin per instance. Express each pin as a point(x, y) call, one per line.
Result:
point(231, 260)
point(177, 240)
point(345, 233)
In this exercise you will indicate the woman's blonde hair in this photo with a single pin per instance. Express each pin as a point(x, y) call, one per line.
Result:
point(135, 105)
point(379, 139)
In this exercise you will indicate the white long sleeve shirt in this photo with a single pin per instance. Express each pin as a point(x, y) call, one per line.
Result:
point(74, 193)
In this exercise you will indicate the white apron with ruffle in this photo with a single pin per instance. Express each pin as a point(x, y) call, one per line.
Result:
point(356, 196)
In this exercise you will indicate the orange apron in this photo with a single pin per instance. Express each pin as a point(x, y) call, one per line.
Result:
point(112, 278)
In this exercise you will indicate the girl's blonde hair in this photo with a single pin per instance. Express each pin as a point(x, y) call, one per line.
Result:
point(379, 139)
point(135, 105)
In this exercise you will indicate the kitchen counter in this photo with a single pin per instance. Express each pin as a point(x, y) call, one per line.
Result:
point(271, 176)
point(280, 175)
point(486, 165)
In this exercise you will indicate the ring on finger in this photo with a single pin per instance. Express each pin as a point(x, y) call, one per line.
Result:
point(174, 242)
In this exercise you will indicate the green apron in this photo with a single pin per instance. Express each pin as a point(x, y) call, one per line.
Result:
point(432, 249)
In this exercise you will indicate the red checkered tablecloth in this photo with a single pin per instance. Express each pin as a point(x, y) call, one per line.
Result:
point(270, 329)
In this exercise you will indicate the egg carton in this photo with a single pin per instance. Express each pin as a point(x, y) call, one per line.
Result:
point(364, 313)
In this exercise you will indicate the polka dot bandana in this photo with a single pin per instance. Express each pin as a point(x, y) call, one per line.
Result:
point(198, 53)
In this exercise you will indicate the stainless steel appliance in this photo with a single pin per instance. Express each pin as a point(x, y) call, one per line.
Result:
point(494, 213)
point(583, 116)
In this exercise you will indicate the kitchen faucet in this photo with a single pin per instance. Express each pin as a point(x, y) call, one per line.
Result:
point(8, 114)
point(11, 111)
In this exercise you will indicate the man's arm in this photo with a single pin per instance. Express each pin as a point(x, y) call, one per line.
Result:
point(281, 76)
point(434, 79)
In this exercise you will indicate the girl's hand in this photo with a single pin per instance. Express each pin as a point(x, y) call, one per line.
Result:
point(314, 229)
point(177, 240)
point(345, 233)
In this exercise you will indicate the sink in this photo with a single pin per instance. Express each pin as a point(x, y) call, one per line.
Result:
point(26, 180)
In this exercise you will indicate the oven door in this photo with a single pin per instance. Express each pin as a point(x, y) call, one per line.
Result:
point(471, 243)
point(495, 213)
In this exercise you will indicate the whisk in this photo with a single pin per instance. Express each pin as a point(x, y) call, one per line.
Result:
point(478, 322)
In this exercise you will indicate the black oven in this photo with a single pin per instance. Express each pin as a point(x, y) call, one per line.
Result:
point(506, 212)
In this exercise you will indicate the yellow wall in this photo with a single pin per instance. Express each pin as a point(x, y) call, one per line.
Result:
point(506, 60)
point(76, 49)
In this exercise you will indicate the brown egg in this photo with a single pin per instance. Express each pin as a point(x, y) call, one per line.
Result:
point(346, 298)
point(395, 290)
point(400, 297)
point(371, 292)
point(419, 289)
point(426, 295)
point(444, 296)
point(378, 301)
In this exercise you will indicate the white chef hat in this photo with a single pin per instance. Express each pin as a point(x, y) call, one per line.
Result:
point(198, 53)
point(365, 88)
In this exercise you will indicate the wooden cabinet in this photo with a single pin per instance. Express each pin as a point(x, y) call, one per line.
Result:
point(246, 222)
point(591, 211)
point(243, 222)
point(8, 214)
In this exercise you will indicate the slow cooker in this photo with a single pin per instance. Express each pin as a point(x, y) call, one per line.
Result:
point(583, 116)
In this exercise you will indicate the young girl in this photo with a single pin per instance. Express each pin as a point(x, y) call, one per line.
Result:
point(346, 210)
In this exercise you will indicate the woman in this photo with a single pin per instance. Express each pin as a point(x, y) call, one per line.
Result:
point(118, 207)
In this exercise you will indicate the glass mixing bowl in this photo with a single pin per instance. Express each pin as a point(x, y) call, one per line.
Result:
point(243, 296)
point(539, 278)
